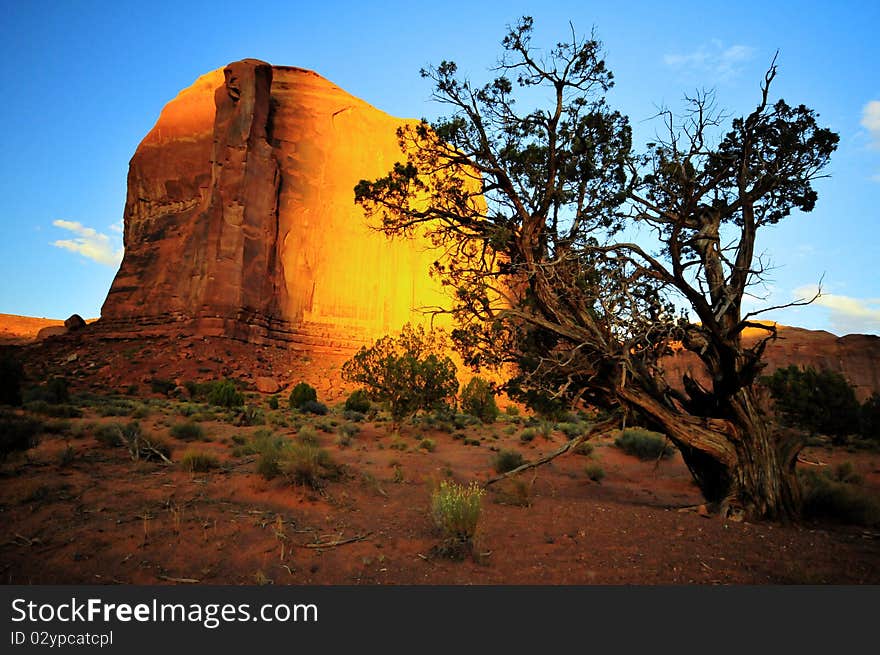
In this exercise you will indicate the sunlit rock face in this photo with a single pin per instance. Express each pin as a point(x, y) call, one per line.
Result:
point(240, 217)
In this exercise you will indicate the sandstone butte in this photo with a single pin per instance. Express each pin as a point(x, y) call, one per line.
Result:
point(240, 219)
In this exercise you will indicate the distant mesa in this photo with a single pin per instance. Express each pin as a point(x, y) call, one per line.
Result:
point(240, 218)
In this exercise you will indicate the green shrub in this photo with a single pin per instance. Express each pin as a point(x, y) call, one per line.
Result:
point(223, 393)
point(140, 445)
point(115, 407)
point(478, 400)
point(55, 392)
point(251, 415)
point(528, 434)
point(308, 435)
point(301, 394)
point(355, 417)
point(313, 407)
point(595, 472)
point(571, 430)
point(507, 460)
point(428, 444)
point(358, 401)
point(17, 433)
point(161, 386)
point(307, 464)
point(409, 372)
point(511, 410)
point(842, 502)
point(456, 511)
point(820, 401)
point(48, 409)
point(584, 448)
point(644, 444)
point(273, 402)
point(198, 462)
point(188, 431)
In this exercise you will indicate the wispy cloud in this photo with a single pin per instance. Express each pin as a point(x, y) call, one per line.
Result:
point(848, 315)
point(720, 63)
point(871, 122)
point(90, 243)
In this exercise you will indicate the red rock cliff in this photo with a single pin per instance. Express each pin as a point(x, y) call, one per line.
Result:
point(240, 215)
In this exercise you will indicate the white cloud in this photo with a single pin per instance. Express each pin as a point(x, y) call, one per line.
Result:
point(713, 59)
point(871, 122)
point(90, 243)
point(848, 315)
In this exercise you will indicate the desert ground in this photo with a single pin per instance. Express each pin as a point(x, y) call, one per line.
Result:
point(76, 508)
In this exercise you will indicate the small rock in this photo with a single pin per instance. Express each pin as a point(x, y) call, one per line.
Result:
point(703, 511)
point(71, 358)
point(267, 385)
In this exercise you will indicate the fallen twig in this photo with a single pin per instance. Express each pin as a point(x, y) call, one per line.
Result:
point(339, 542)
point(185, 580)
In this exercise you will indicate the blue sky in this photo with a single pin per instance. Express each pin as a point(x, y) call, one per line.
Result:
point(85, 81)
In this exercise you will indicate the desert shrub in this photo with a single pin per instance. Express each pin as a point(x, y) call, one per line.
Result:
point(584, 448)
point(595, 472)
point(355, 417)
point(313, 407)
point(309, 465)
point(478, 400)
point(842, 502)
point(108, 435)
point(456, 511)
point(644, 444)
point(545, 428)
point(198, 462)
point(428, 444)
point(67, 456)
point(571, 430)
point(511, 410)
point(161, 386)
point(188, 431)
point(115, 407)
point(17, 433)
point(224, 393)
point(820, 401)
point(273, 402)
point(408, 372)
point(54, 392)
point(56, 411)
point(140, 445)
point(507, 460)
point(358, 401)
point(528, 434)
point(308, 435)
point(251, 415)
point(843, 472)
point(301, 394)
point(11, 377)
point(350, 430)
point(57, 426)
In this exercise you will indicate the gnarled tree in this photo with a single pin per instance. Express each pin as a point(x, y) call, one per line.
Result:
point(532, 206)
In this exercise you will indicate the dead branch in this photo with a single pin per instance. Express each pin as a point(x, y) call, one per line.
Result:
point(339, 542)
point(572, 443)
point(184, 580)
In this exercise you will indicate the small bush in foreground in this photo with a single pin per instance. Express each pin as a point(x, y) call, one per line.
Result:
point(595, 472)
point(307, 464)
point(428, 445)
point(644, 444)
point(456, 511)
point(507, 460)
point(198, 462)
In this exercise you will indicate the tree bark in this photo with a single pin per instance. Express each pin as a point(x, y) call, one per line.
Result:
point(737, 462)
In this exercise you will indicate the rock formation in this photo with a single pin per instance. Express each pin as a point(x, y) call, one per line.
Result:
point(240, 217)
point(855, 356)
